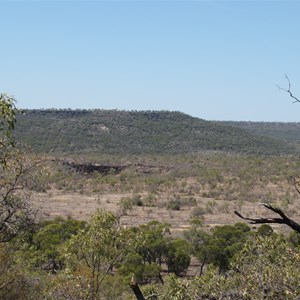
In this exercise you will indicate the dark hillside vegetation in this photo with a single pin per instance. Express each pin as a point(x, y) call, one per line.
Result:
point(132, 132)
point(289, 131)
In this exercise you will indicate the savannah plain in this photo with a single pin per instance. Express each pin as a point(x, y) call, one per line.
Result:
point(170, 189)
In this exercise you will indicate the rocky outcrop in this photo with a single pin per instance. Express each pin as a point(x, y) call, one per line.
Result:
point(90, 168)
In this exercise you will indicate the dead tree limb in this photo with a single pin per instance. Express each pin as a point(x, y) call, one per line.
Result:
point(288, 90)
point(282, 220)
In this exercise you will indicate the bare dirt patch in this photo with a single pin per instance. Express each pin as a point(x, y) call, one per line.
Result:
point(80, 206)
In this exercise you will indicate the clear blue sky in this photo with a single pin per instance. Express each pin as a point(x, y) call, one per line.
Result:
point(217, 60)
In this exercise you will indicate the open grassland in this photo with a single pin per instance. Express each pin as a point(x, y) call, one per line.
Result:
point(170, 189)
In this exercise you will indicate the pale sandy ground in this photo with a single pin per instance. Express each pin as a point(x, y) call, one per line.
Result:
point(55, 203)
point(81, 207)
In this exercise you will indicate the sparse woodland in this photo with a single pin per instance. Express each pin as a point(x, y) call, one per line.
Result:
point(134, 225)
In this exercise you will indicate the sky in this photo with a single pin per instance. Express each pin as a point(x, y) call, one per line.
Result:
point(216, 60)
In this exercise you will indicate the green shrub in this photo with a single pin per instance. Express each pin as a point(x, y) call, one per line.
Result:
point(174, 204)
point(265, 230)
point(137, 200)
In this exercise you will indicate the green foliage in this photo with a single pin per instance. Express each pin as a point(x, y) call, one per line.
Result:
point(92, 253)
point(265, 268)
point(133, 264)
point(7, 124)
point(48, 240)
point(244, 179)
point(210, 206)
point(127, 203)
point(294, 238)
point(288, 131)
point(144, 272)
point(200, 245)
point(269, 267)
point(189, 201)
point(95, 261)
point(101, 256)
point(197, 216)
point(155, 247)
point(225, 242)
point(115, 287)
point(176, 289)
point(149, 200)
point(265, 230)
point(137, 200)
point(16, 280)
point(174, 204)
point(219, 246)
point(7, 114)
point(132, 132)
point(154, 244)
point(178, 256)
point(16, 214)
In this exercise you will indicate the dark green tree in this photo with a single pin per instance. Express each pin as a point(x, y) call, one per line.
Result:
point(219, 245)
point(178, 256)
point(265, 230)
point(50, 237)
point(154, 246)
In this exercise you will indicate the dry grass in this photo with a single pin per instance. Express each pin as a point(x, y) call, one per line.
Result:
point(79, 206)
point(217, 183)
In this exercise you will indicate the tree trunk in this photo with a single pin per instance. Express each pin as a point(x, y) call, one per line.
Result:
point(136, 289)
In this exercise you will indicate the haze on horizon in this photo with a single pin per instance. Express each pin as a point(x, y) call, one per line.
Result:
point(216, 60)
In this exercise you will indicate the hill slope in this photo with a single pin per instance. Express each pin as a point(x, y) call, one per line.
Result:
point(289, 131)
point(145, 132)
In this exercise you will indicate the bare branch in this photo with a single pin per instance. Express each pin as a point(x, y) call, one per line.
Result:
point(16, 213)
point(283, 220)
point(288, 90)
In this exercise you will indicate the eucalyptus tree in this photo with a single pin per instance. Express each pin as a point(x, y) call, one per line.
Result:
point(16, 213)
